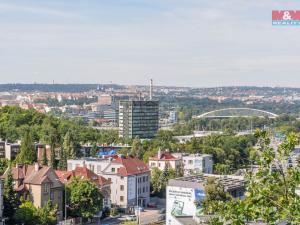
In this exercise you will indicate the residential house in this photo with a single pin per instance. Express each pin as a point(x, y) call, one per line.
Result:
point(164, 159)
point(38, 184)
point(85, 173)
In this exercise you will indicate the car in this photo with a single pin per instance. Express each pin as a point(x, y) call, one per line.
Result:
point(131, 217)
point(139, 208)
point(151, 205)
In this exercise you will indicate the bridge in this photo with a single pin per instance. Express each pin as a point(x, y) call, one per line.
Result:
point(237, 112)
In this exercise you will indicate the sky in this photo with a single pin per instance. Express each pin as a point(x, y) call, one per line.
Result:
point(197, 43)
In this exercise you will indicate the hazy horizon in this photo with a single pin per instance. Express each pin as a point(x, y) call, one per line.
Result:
point(193, 43)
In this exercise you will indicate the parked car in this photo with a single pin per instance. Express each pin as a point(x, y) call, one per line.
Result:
point(131, 217)
point(151, 205)
point(139, 208)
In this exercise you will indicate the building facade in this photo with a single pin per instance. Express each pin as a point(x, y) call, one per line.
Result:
point(138, 119)
point(38, 184)
point(185, 194)
point(84, 173)
point(197, 163)
point(165, 159)
point(129, 176)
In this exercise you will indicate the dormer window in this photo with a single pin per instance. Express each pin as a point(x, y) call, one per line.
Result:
point(113, 169)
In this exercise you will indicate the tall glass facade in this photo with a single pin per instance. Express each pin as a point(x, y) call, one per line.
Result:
point(138, 119)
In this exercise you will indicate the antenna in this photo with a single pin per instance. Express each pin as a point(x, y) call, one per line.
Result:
point(151, 88)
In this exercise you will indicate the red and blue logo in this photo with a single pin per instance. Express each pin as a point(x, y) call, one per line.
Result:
point(286, 17)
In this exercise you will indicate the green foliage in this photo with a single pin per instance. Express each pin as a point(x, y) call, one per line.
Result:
point(84, 198)
point(69, 146)
point(4, 163)
point(45, 159)
point(10, 199)
point(28, 214)
point(270, 193)
point(159, 179)
point(27, 153)
point(94, 150)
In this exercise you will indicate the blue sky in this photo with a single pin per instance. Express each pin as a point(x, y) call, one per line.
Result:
point(175, 42)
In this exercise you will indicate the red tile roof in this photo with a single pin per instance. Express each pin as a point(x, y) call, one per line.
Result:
point(83, 173)
point(131, 165)
point(164, 156)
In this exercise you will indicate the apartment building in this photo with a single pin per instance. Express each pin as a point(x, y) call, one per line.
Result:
point(38, 184)
point(84, 173)
point(129, 176)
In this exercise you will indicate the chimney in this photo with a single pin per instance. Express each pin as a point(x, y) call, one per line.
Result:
point(151, 89)
point(36, 167)
point(159, 154)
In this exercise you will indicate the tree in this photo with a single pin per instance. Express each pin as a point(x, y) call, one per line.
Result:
point(3, 165)
point(27, 153)
point(68, 146)
point(94, 150)
point(10, 199)
point(270, 195)
point(84, 198)
point(47, 214)
point(62, 164)
point(28, 214)
point(214, 191)
point(136, 149)
point(155, 180)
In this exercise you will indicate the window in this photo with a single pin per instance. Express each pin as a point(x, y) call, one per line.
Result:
point(52, 196)
point(113, 169)
point(147, 178)
point(153, 164)
point(158, 164)
point(190, 161)
point(144, 179)
point(46, 188)
point(98, 169)
point(122, 178)
point(143, 189)
point(121, 198)
point(122, 187)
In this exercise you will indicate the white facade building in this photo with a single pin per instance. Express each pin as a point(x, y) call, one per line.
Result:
point(130, 178)
point(196, 163)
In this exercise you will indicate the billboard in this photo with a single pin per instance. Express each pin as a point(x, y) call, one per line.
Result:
point(183, 202)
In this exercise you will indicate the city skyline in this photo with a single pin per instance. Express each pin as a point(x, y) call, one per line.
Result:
point(192, 43)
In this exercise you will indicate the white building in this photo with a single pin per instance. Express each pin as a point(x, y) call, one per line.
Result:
point(192, 163)
point(184, 196)
point(197, 163)
point(163, 159)
point(130, 178)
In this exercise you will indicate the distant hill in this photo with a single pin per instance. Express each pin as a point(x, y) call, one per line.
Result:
point(56, 87)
